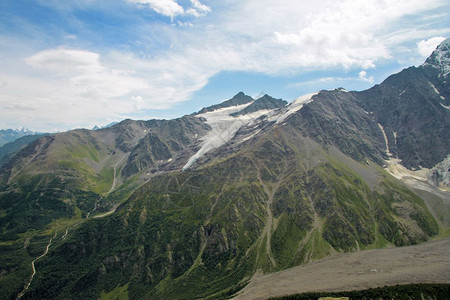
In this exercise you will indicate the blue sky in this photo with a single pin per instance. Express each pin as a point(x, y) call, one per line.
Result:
point(69, 64)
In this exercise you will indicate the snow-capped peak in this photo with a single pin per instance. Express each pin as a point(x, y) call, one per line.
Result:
point(440, 58)
point(223, 128)
point(226, 121)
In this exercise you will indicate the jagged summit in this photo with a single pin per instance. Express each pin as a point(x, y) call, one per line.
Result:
point(440, 58)
point(265, 102)
point(227, 118)
point(238, 99)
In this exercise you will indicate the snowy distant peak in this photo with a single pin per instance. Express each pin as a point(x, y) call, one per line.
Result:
point(106, 126)
point(239, 99)
point(9, 135)
point(16, 132)
point(265, 102)
point(440, 58)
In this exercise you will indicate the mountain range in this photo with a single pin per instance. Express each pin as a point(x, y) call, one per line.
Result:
point(193, 207)
point(9, 135)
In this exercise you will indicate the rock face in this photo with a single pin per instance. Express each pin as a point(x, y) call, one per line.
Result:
point(414, 117)
point(165, 145)
point(440, 174)
point(413, 107)
point(196, 205)
point(334, 118)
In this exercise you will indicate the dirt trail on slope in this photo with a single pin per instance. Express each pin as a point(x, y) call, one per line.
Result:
point(424, 263)
point(114, 174)
point(113, 186)
point(269, 221)
point(33, 267)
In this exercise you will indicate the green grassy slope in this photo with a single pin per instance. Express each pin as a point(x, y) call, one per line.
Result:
point(278, 203)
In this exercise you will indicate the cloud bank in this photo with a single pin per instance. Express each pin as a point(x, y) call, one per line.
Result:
point(78, 81)
point(171, 8)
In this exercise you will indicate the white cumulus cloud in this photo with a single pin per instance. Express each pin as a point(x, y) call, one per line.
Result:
point(293, 36)
point(363, 76)
point(289, 37)
point(168, 8)
point(426, 47)
point(198, 9)
point(172, 8)
point(85, 74)
point(71, 86)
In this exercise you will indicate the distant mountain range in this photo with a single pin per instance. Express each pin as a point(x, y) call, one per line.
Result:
point(12, 140)
point(192, 207)
point(106, 126)
point(10, 135)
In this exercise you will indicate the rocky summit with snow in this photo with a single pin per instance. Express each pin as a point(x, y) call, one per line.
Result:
point(194, 207)
point(440, 59)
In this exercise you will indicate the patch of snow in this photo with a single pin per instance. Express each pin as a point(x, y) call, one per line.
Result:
point(224, 112)
point(376, 270)
point(402, 92)
point(280, 115)
point(262, 93)
point(303, 99)
point(436, 91)
point(434, 88)
point(223, 128)
point(420, 178)
point(395, 137)
point(170, 159)
point(385, 140)
point(396, 169)
point(445, 106)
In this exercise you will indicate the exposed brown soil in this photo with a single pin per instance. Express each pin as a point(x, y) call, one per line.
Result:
point(424, 263)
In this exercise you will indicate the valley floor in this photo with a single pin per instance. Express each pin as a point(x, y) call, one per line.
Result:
point(424, 263)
